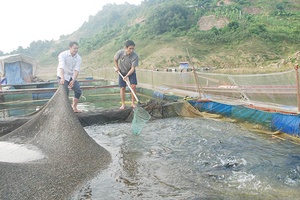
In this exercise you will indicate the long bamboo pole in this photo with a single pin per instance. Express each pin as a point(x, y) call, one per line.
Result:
point(199, 88)
point(298, 89)
point(44, 90)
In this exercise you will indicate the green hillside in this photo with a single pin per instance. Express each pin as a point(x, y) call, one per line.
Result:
point(229, 35)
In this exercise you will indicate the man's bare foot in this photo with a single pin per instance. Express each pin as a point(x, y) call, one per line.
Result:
point(76, 110)
point(133, 105)
point(122, 107)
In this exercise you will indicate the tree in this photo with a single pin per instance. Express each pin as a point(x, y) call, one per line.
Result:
point(233, 25)
point(170, 18)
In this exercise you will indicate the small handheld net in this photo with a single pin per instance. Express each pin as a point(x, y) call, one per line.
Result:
point(140, 118)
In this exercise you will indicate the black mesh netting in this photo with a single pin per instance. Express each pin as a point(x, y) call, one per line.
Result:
point(71, 155)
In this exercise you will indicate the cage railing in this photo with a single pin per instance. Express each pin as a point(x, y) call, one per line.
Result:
point(274, 89)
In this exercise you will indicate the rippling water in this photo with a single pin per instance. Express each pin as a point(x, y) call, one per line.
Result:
point(184, 158)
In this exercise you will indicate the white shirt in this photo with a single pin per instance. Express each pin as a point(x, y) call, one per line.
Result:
point(68, 63)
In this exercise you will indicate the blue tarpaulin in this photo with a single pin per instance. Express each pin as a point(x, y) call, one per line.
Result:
point(273, 121)
point(17, 69)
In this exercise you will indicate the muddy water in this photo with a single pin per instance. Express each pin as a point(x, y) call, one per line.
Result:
point(183, 158)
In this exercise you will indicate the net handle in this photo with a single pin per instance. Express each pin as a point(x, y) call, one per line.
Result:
point(128, 84)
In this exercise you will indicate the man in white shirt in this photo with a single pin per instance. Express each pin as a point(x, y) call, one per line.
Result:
point(69, 63)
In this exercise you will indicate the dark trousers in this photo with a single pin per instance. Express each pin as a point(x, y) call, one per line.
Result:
point(76, 87)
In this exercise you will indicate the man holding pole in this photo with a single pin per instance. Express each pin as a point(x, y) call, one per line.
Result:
point(126, 60)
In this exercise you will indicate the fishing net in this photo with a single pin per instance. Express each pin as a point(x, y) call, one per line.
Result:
point(140, 118)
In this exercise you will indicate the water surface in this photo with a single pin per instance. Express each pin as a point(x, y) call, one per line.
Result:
point(184, 158)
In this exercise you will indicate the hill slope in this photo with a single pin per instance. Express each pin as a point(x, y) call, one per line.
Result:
point(248, 35)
